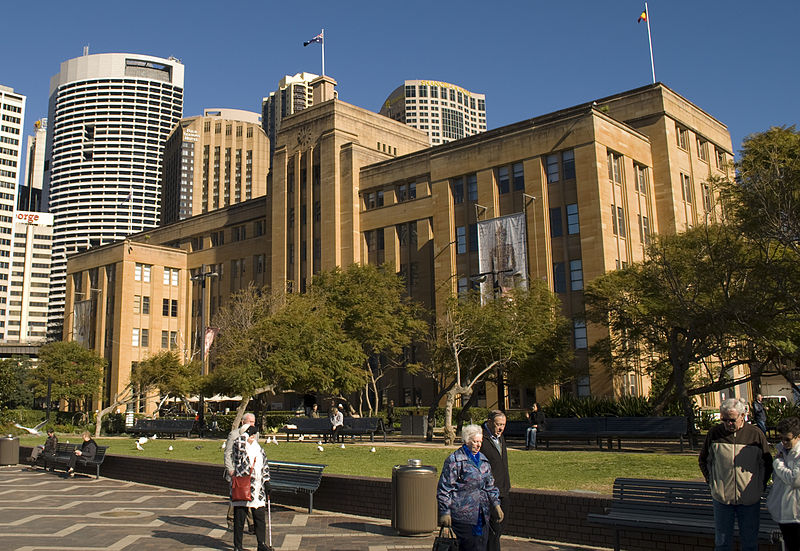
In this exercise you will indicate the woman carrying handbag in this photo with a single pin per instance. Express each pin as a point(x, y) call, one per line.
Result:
point(249, 487)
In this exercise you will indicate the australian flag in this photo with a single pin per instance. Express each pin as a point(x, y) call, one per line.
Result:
point(317, 39)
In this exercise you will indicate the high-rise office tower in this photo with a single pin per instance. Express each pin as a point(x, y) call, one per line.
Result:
point(212, 161)
point(109, 117)
point(292, 96)
point(29, 196)
point(12, 118)
point(446, 112)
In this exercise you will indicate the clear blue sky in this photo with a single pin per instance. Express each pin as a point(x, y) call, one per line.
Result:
point(736, 59)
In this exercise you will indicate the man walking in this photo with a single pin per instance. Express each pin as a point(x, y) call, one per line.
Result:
point(494, 448)
point(248, 420)
point(736, 464)
point(760, 414)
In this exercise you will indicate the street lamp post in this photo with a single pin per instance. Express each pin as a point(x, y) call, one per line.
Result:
point(201, 277)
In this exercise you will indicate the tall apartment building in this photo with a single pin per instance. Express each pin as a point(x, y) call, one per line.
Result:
point(109, 117)
point(292, 96)
point(29, 196)
point(444, 111)
point(589, 185)
point(12, 119)
point(213, 161)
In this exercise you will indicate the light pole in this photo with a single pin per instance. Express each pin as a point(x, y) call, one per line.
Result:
point(201, 277)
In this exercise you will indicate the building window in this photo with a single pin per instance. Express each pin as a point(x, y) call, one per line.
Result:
point(173, 339)
point(258, 228)
point(641, 178)
point(472, 187)
point(721, 159)
point(141, 272)
point(146, 305)
point(708, 202)
point(473, 237)
point(575, 275)
point(618, 221)
point(682, 136)
point(559, 278)
point(552, 168)
point(217, 238)
point(615, 167)
point(165, 339)
point(556, 225)
point(240, 233)
point(171, 276)
point(135, 336)
point(644, 229)
point(518, 175)
point(169, 308)
point(145, 338)
point(463, 285)
point(503, 185)
point(702, 149)
point(461, 239)
point(579, 332)
point(568, 164)
point(573, 224)
point(686, 188)
point(137, 304)
point(457, 190)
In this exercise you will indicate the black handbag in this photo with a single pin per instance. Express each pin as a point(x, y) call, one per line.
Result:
point(445, 542)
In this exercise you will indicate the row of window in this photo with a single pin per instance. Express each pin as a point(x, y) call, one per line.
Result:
point(140, 337)
point(402, 192)
point(682, 139)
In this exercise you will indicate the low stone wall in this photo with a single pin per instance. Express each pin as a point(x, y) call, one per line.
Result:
point(544, 515)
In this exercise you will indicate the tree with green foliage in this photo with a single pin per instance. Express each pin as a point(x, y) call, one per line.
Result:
point(76, 373)
point(14, 389)
point(374, 310)
point(523, 333)
point(165, 373)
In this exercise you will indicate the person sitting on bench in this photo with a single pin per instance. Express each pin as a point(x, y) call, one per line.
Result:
point(46, 450)
point(84, 453)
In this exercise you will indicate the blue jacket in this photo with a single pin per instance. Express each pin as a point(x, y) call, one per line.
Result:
point(465, 489)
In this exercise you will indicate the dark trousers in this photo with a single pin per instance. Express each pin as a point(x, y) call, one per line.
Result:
point(74, 460)
point(259, 519)
point(791, 536)
point(496, 528)
point(230, 518)
point(468, 542)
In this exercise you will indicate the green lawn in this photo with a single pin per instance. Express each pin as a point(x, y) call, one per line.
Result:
point(552, 470)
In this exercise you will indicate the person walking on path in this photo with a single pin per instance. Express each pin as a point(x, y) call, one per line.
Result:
point(536, 422)
point(736, 463)
point(494, 448)
point(760, 414)
point(783, 501)
point(248, 420)
point(249, 458)
point(466, 494)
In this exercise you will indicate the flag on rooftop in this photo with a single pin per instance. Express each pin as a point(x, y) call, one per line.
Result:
point(642, 17)
point(317, 39)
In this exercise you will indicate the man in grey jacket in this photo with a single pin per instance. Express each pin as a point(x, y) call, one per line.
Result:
point(248, 420)
point(736, 463)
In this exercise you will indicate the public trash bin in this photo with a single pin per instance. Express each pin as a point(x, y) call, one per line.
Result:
point(9, 450)
point(414, 425)
point(414, 510)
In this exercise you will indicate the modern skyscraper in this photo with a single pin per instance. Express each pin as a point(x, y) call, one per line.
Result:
point(12, 116)
point(445, 112)
point(292, 96)
point(212, 161)
point(109, 117)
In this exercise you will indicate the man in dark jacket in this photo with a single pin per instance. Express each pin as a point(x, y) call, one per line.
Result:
point(760, 414)
point(494, 448)
point(736, 463)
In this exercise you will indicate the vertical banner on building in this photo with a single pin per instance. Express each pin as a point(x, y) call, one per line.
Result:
point(502, 255)
point(83, 321)
point(211, 332)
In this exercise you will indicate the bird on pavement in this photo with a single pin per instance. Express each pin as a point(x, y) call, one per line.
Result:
point(320, 448)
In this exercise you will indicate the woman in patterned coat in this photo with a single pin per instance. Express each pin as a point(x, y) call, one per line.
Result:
point(467, 494)
point(248, 454)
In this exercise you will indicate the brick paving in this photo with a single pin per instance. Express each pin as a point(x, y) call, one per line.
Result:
point(41, 511)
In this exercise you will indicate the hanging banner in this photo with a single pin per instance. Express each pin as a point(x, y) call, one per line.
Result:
point(83, 322)
point(502, 255)
point(211, 332)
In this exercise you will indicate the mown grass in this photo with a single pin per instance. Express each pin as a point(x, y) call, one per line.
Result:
point(551, 470)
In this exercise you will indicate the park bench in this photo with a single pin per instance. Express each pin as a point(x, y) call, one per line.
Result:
point(295, 478)
point(63, 452)
point(362, 426)
point(675, 506)
point(571, 428)
point(318, 426)
point(643, 428)
point(163, 427)
point(96, 461)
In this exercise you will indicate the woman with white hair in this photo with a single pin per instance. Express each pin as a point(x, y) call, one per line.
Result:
point(250, 459)
point(466, 493)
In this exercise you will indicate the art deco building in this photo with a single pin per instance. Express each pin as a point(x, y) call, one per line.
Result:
point(586, 186)
point(445, 112)
point(292, 96)
point(109, 117)
point(29, 196)
point(212, 161)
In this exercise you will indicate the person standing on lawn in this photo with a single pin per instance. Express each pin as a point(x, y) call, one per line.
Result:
point(783, 501)
point(248, 420)
point(494, 448)
point(736, 464)
point(760, 414)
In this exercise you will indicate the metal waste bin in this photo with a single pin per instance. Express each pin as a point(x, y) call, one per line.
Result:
point(414, 510)
point(9, 450)
point(414, 425)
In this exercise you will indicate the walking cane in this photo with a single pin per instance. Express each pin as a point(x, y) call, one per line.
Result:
point(269, 516)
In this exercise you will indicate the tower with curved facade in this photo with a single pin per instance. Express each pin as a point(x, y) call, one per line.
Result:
point(109, 117)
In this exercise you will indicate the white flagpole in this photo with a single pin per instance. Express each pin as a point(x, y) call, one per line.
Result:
point(322, 34)
point(649, 39)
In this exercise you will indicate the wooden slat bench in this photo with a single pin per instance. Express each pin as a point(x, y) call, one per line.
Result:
point(643, 428)
point(99, 456)
point(668, 506)
point(296, 478)
point(317, 426)
point(63, 453)
point(362, 426)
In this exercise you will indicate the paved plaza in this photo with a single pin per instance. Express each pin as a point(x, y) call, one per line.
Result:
point(41, 511)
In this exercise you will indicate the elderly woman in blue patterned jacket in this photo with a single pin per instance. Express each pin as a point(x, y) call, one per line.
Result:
point(249, 456)
point(467, 494)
